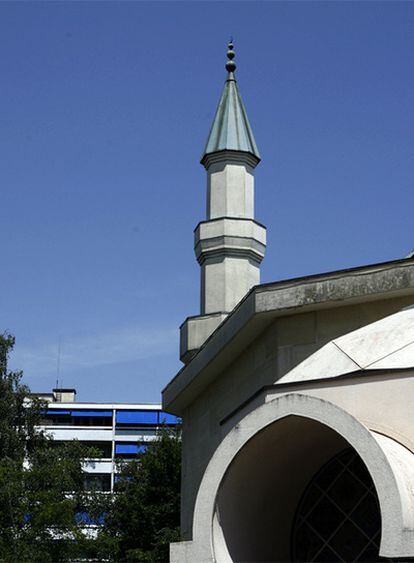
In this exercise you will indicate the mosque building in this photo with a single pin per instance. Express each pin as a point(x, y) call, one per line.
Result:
point(297, 397)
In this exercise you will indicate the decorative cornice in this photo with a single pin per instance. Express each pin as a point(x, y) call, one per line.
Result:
point(224, 251)
point(230, 157)
point(241, 219)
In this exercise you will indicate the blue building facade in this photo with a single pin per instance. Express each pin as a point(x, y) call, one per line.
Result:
point(117, 431)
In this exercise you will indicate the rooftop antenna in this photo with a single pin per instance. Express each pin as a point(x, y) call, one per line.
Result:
point(58, 362)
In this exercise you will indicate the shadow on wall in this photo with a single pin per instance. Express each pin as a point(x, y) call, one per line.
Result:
point(257, 516)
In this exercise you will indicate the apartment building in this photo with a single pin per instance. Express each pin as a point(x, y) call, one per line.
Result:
point(115, 430)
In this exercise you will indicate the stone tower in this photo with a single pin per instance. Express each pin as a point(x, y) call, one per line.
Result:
point(229, 244)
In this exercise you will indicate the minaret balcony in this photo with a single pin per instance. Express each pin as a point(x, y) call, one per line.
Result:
point(230, 236)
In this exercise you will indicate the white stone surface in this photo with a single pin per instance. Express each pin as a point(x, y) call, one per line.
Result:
point(225, 281)
point(230, 190)
point(390, 465)
point(83, 433)
point(384, 344)
point(98, 466)
point(381, 402)
point(196, 330)
point(329, 361)
point(227, 227)
point(379, 339)
point(401, 359)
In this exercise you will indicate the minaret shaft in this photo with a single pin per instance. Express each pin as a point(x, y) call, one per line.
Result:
point(225, 281)
point(230, 190)
point(229, 244)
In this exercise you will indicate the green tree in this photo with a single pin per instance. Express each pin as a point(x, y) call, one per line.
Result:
point(144, 515)
point(41, 485)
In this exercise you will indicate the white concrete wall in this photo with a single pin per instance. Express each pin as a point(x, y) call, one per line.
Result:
point(379, 402)
point(99, 466)
point(230, 191)
point(225, 281)
point(278, 349)
point(252, 485)
point(80, 433)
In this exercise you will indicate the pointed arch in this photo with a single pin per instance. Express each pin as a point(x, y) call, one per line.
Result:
point(391, 467)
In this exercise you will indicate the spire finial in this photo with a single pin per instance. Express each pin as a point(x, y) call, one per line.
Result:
point(230, 65)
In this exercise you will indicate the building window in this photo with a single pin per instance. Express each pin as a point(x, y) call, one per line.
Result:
point(128, 450)
point(338, 518)
point(57, 417)
point(144, 419)
point(97, 481)
point(126, 418)
point(77, 417)
point(91, 418)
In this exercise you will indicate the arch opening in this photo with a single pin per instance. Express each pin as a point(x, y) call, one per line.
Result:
point(338, 517)
point(261, 502)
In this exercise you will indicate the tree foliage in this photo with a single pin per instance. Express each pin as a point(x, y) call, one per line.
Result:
point(145, 513)
point(41, 485)
point(42, 497)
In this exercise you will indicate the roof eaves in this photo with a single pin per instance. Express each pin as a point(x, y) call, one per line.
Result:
point(260, 302)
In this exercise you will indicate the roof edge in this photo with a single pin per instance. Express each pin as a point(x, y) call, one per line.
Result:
point(259, 301)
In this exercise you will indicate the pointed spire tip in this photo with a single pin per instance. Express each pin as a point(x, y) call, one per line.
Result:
point(231, 129)
point(230, 65)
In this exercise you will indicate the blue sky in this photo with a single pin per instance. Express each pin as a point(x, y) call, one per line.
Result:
point(105, 109)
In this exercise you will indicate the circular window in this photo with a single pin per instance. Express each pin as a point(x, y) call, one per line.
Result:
point(338, 518)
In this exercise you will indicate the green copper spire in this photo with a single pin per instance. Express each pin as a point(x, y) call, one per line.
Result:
point(231, 128)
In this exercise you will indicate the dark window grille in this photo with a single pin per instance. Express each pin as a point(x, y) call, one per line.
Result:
point(338, 518)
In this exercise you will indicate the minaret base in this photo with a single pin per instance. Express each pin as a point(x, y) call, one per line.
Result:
point(195, 331)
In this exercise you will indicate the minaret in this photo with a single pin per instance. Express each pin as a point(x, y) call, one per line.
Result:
point(230, 244)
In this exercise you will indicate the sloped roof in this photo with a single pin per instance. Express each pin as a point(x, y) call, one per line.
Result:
point(266, 302)
point(384, 344)
point(231, 128)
